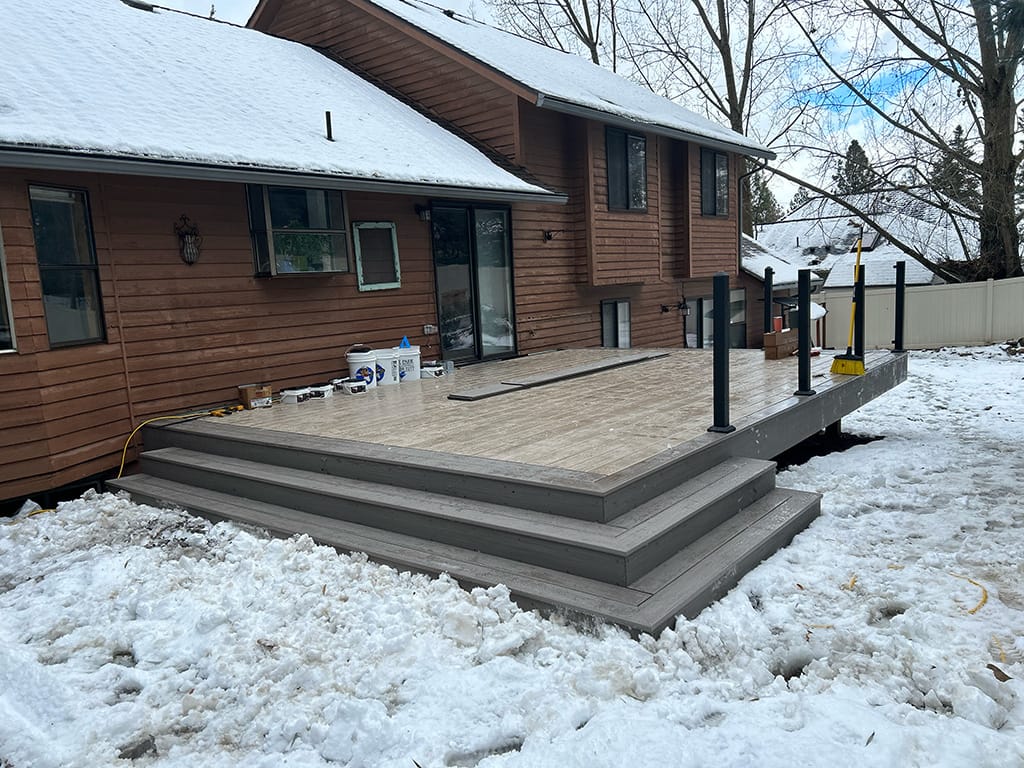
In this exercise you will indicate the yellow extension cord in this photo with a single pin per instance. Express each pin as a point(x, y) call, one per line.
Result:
point(212, 412)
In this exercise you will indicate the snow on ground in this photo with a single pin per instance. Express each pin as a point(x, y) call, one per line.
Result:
point(867, 642)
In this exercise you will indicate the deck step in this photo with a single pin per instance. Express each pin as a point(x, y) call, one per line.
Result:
point(683, 584)
point(581, 495)
point(617, 553)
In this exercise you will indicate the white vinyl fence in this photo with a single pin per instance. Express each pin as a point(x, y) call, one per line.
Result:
point(936, 315)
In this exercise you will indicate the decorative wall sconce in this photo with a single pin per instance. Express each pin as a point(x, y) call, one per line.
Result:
point(551, 234)
point(682, 306)
point(423, 211)
point(189, 239)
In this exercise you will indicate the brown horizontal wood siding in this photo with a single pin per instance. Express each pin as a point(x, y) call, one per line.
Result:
point(626, 244)
point(180, 337)
point(713, 241)
point(440, 82)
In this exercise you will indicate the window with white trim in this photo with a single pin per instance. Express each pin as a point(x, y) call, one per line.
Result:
point(68, 271)
point(615, 324)
point(376, 244)
point(296, 230)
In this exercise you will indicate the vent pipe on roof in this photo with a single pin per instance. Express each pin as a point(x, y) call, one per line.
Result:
point(330, 132)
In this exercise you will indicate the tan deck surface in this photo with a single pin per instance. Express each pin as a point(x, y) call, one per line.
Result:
point(601, 422)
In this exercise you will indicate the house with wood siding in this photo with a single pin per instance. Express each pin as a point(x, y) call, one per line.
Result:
point(191, 205)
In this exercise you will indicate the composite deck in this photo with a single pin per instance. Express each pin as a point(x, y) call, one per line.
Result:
point(600, 492)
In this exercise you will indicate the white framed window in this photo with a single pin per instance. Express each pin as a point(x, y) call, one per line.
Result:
point(376, 244)
point(68, 271)
point(615, 324)
point(296, 230)
point(7, 342)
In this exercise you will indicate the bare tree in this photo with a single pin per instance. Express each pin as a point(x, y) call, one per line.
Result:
point(914, 67)
point(566, 25)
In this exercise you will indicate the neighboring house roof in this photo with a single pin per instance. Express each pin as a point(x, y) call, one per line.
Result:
point(755, 257)
point(821, 234)
point(562, 81)
point(879, 269)
point(128, 88)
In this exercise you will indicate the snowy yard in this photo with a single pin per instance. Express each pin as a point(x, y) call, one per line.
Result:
point(881, 637)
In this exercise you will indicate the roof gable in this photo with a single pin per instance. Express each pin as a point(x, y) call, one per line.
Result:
point(98, 78)
point(555, 80)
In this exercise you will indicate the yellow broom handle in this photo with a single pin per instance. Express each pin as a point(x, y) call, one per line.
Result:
point(853, 304)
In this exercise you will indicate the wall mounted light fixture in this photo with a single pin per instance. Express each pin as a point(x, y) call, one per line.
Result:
point(551, 234)
point(189, 239)
point(423, 211)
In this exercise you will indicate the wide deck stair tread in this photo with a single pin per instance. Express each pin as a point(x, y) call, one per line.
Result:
point(617, 552)
point(683, 584)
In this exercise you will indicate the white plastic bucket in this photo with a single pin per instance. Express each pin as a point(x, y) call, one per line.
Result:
point(387, 367)
point(363, 365)
point(295, 396)
point(408, 363)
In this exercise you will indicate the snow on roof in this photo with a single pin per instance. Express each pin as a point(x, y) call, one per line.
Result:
point(822, 234)
point(755, 257)
point(879, 269)
point(97, 77)
point(564, 77)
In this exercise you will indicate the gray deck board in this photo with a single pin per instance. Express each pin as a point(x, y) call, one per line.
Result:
point(544, 585)
point(582, 370)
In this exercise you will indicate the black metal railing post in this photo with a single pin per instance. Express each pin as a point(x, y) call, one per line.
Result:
point(769, 298)
point(901, 305)
point(804, 333)
point(858, 315)
point(720, 324)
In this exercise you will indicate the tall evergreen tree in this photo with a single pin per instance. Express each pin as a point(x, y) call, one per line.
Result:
point(951, 177)
point(855, 174)
point(802, 196)
point(764, 208)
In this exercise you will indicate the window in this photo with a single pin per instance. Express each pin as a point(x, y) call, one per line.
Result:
point(6, 323)
point(615, 323)
point(68, 272)
point(714, 183)
point(297, 230)
point(376, 255)
point(737, 320)
point(627, 170)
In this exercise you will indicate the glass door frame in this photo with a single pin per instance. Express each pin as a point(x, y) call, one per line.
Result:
point(470, 208)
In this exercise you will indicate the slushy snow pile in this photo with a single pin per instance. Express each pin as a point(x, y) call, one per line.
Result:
point(890, 633)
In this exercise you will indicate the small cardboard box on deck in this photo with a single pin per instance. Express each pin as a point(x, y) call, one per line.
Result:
point(255, 395)
point(780, 344)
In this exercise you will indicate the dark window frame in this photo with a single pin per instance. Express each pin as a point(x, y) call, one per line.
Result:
point(611, 327)
point(6, 308)
point(715, 175)
point(621, 163)
point(262, 231)
point(91, 269)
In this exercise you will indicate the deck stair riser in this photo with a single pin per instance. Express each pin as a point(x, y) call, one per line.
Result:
point(616, 553)
point(563, 492)
point(684, 584)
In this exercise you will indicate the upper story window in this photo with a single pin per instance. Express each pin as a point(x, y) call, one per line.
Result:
point(627, 170)
point(68, 272)
point(6, 323)
point(297, 230)
point(714, 183)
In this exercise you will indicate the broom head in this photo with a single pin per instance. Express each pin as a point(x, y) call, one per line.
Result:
point(848, 364)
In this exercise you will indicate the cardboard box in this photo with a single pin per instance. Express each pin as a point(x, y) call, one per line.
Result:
point(780, 344)
point(255, 395)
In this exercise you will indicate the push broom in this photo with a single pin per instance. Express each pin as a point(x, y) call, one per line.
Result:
point(851, 364)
